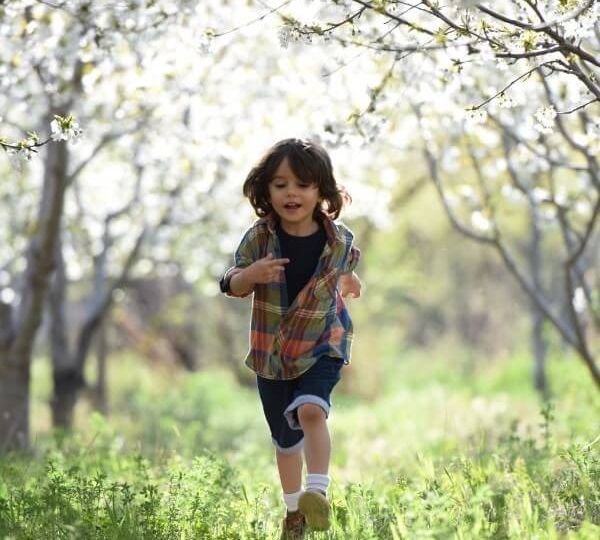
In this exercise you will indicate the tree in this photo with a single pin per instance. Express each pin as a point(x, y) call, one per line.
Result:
point(123, 74)
point(464, 65)
point(80, 39)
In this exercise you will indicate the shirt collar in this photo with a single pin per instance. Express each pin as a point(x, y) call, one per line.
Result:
point(331, 231)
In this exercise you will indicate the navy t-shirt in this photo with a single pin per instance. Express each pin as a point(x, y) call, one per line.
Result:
point(303, 253)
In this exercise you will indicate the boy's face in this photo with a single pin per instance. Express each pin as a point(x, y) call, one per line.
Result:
point(293, 199)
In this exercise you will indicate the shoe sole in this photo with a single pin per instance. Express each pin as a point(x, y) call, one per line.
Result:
point(315, 508)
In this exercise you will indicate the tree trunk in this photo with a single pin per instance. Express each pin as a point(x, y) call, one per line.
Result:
point(15, 355)
point(100, 393)
point(540, 348)
point(14, 403)
point(66, 378)
point(538, 342)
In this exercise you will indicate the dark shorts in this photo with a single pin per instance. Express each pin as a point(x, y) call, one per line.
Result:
point(281, 399)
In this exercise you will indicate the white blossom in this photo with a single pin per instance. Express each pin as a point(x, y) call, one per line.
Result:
point(579, 300)
point(505, 101)
point(205, 43)
point(7, 295)
point(476, 117)
point(480, 222)
point(486, 55)
point(285, 36)
point(451, 199)
point(583, 208)
point(65, 129)
point(466, 192)
point(549, 214)
point(545, 119)
point(19, 156)
point(540, 194)
point(511, 193)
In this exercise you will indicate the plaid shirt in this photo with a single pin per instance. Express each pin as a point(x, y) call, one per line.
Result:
point(287, 341)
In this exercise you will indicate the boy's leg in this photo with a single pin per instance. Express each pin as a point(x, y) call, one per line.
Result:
point(317, 448)
point(289, 465)
point(309, 411)
point(317, 442)
point(290, 470)
point(275, 396)
point(310, 408)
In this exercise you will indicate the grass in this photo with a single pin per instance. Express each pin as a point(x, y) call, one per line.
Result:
point(437, 454)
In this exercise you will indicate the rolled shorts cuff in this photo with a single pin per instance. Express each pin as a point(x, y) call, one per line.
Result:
point(301, 400)
point(290, 449)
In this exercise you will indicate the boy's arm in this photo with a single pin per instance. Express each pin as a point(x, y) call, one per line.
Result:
point(241, 281)
point(350, 284)
point(239, 284)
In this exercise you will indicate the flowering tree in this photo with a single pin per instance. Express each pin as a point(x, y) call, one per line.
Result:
point(53, 55)
point(147, 109)
point(509, 97)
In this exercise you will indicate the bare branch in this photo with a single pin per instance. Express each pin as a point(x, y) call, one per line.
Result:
point(524, 75)
point(104, 141)
point(564, 44)
point(393, 17)
point(591, 160)
point(579, 107)
point(529, 54)
point(591, 224)
point(435, 176)
point(258, 19)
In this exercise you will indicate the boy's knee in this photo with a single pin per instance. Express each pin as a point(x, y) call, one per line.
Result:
point(309, 413)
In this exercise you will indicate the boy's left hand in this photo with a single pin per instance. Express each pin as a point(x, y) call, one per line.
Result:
point(350, 285)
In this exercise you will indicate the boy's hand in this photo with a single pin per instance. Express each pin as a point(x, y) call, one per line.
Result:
point(350, 285)
point(265, 270)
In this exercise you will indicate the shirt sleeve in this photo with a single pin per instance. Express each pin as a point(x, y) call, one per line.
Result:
point(247, 251)
point(351, 253)
point(245, 254)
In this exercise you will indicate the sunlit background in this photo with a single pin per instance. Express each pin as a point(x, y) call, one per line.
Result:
point(440, 149)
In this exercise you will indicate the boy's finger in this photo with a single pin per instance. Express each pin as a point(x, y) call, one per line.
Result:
point(279, 261)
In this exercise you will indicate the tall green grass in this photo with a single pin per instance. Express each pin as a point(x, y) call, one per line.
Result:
point(436, 453)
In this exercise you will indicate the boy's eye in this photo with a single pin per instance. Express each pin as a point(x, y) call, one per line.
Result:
point(301, 185)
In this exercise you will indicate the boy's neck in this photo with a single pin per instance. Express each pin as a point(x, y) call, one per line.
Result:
point(300, 229)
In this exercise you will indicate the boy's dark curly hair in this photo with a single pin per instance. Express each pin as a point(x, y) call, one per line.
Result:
point(310, 163)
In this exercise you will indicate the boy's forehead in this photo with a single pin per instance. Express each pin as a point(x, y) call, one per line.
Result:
point(284, 170)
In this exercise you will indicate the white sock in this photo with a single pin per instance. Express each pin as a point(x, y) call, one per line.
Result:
point(291, 500)
point(317, 482)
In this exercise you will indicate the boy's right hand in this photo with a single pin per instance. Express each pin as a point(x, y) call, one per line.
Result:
point(265, 270)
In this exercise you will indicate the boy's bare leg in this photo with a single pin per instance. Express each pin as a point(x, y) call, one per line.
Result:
point(290, 471)
point(317, 443)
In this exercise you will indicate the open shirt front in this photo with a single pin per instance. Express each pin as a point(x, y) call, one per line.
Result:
point(287, 341)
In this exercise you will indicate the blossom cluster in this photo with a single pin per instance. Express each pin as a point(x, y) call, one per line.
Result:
point(65, 129)
point(62, 129)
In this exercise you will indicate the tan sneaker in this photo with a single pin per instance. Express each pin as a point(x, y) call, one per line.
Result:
point(293, 526)
point(315, 507)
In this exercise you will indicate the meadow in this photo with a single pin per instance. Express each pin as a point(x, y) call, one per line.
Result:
point(435, 453)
